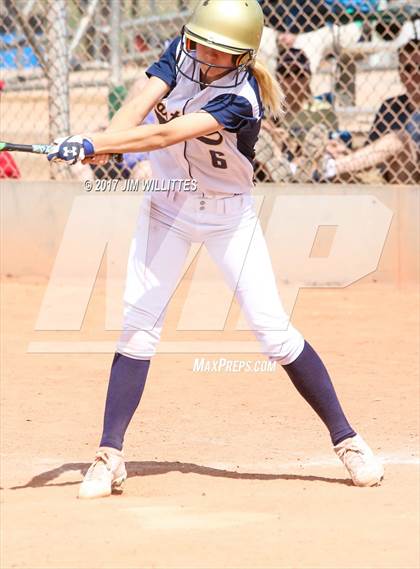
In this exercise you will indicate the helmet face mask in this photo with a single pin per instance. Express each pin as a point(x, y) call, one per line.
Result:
point(188, 50)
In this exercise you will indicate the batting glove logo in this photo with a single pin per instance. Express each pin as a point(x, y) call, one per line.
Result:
point(71, 150)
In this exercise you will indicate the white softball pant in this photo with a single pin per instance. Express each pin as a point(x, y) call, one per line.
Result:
point(229, 228)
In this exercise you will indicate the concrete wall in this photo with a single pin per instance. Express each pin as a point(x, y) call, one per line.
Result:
point(38, 217)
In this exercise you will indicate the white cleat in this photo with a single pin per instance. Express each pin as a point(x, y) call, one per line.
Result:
point(105, 476)
point(364, 468)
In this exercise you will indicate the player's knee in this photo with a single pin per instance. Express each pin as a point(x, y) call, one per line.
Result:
point(283, 347)
point(140, 344)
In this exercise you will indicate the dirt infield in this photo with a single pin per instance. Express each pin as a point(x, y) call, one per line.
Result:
point(225, 470)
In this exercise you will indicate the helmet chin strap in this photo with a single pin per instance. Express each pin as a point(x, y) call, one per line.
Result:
point(203, 78)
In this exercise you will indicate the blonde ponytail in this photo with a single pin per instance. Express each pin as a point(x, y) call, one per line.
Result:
point(271, 93)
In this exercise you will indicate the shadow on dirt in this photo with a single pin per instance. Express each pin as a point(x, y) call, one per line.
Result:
point(151, 468)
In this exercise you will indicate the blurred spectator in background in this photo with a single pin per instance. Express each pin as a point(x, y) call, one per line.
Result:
point(295, 16)
point(8, 167)
point(348, 30)
point(395, 113)
point(302, 109)
point(318, 27)
point(404, 142)
point(285, 21)
point(289, 147)
point(394, 138)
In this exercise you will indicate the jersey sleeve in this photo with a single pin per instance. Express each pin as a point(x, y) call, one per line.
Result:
point(233, 112)
point(165, 68)
point(392, 115)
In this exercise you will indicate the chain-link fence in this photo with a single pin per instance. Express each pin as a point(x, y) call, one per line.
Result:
point(349, 70)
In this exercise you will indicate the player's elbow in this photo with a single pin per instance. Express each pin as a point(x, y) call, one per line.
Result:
point(171, 137)
point(167, 137)
point(158, 142)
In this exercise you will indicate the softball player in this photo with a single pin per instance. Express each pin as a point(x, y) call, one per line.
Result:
point(208, 93)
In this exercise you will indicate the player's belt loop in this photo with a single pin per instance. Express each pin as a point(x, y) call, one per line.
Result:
point(221, 206)
point(232, 203)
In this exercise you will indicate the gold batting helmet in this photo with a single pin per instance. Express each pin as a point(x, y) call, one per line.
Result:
point(231, 26)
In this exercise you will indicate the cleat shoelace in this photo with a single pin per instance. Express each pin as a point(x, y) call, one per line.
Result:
point(353, 456)
point(101, 458)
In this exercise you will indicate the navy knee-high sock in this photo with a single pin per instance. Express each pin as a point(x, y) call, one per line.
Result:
point(313, 382)
point(126, 385)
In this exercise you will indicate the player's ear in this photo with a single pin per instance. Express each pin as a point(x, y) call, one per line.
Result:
point(241, 59)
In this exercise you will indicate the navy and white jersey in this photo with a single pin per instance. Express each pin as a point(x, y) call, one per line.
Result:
point(221, 161)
